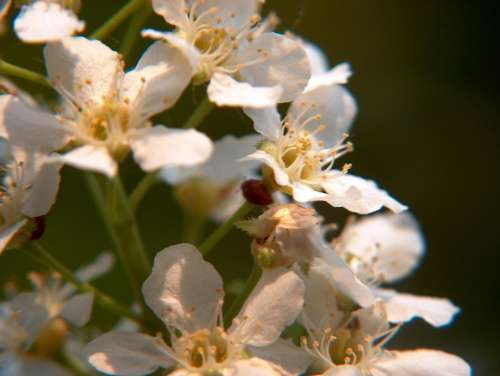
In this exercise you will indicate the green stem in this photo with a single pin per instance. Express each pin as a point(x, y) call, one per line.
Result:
point(13, 70)
point(119, 17)
point(200, 113)
point(252, 280)
point(223, 229)
point(137, 246)
point(104, 212)
point(39, 253)
point(193, 227)
point(141, 189)
point(133, 31)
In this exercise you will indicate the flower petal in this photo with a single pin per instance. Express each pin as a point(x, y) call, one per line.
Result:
point(44, 188)
point(173, 11)
point(224, 90)
point(160, 77)
point(92, 158)
point(371, 197)
point(280, 176)
point(266, 121)
point(274, 303)
point(336, 106)
point(32, 130)
point(422, 362)
point(404, 307)
point(285, 354)
point(124, 353)
point(86, 69)
point(7, 233)
point(44, 21)
point(183, 289)
point(160, 146)
point(4, 7)
point(78, 308)
point(286, 65)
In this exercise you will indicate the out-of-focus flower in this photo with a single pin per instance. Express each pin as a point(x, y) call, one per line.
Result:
point(186, 293)
point(43, 21)
point(246, 63)
point(52, 299)
point(385, 248)
point(212, 188)
point(28, 189)
point(105, 112)
point(13, 358)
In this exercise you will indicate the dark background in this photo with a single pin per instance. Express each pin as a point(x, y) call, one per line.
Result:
point(426, 79)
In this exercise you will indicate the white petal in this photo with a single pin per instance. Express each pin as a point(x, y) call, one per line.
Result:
point(266, 121)
point(124, 353)
point(189, 51)
point(7, 234)
point(343, 278)
point(284, 354)
point(274, 303)
point(224, 90)
point(91, 158)
point(371, 198)
point(335, 76)
point(252, 367)
point(184, 284)
point(87, 69)
point(45, 21)
point(232, 13)
point(78, 308)
point(32, 316)
point(336, 106)
point(44, 189)
point(404, 307)
point(100, 266)
point(280, 176)
point(160, 77)
point(343, 370)
point(32, 130)
point(317, 58)
point(172, 11)
point(159, 146)
point(287, 65)
point(394, 240)
point(422, 362)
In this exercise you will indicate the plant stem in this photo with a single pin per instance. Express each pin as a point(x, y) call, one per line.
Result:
point(252, 280)
point(199, 114)
point(13, 70)
point(193, 227)
point(40, 254)
point(119, 17)
point(224, 228)
point(133, 31)
point(103, 208)
point(141, 189)
point(138, 252)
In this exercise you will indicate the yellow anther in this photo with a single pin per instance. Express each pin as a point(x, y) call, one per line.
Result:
point(318, 117)
point(213, 10)
point(306, 133)
point(232, 15)
point(303, 103)
point(88, 81)
point(313, 104)
point(58, 76)
point(266, 53)
point(321, 144)
point(322, 127)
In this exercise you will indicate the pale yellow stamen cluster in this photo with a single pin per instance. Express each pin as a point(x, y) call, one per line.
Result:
point(219, 45)
point(303, 155)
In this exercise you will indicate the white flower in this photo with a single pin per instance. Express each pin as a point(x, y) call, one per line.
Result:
point(300, 151)
point(13, 360)
point(52, 299)
point(385, 248)
point(186, 293)
point(28, 188)
point(105, 112)
point(352, 345)
point(47, 21)
point(213, 187)
point(246, 64)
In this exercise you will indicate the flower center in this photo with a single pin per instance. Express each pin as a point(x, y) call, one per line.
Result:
point(12, 192)
point(218, 42)
point(302, 153)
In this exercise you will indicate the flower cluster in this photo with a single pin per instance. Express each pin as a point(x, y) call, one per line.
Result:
point(312, 305)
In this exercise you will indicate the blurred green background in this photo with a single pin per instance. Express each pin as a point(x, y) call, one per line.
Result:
point(426, 79)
